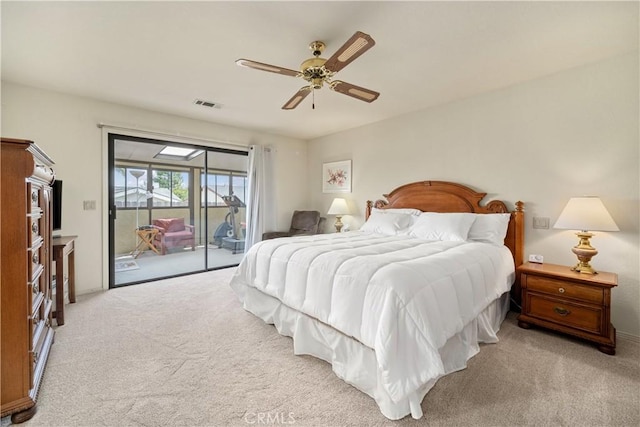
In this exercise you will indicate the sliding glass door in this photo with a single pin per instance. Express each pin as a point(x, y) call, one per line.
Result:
point(223, 191)
point(165, 210)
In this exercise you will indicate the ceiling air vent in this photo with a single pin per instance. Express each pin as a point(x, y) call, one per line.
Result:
point(208, 104)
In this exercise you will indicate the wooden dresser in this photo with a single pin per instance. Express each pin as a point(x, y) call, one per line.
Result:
point(25, 235)
point(555, 297)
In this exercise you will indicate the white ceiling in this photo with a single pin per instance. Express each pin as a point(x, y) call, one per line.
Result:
point(161, 56)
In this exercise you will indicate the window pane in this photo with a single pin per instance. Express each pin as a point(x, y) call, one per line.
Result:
point(170, 188)
point(180, 181)
point(119, 187)
point(161, 188)
point(239, 187)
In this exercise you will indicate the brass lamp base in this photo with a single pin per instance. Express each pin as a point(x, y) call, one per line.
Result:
point(338, 224)
point(584, 252)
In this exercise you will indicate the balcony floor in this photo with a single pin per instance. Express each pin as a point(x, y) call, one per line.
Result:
point(150, 266)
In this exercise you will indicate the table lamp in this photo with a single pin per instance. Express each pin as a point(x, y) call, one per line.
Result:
point(338, 208)
point(585, 214)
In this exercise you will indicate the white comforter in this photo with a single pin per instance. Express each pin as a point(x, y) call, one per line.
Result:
point(403, 297)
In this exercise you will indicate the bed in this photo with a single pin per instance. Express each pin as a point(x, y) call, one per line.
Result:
point(392, 311)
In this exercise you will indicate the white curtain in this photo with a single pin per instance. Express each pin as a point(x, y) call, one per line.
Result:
point(260, 197)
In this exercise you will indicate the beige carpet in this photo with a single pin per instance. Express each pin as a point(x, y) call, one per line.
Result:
point(182, 352)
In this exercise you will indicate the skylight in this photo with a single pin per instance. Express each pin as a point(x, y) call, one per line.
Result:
point(178, 153)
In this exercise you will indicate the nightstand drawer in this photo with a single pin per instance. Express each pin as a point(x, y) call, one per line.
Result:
point(572, 315)
point(564, 289)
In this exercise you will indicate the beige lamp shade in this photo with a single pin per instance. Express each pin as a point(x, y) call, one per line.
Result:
point(338, 207)
point(586, 214)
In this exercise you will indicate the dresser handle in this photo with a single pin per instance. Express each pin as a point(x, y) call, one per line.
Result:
point(34, 228)
point(561, 311)
point(34, 197)
point(35, 258)
point(561, 290)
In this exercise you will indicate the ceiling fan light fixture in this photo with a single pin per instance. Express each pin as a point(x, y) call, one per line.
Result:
point(317, 71)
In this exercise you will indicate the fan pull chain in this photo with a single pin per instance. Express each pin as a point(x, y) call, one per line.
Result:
point(313, 99)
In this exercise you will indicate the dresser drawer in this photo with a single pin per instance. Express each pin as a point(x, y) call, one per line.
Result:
point(39, 333)
point(37, 325)
point(35, 262)
point(565, 289)
point(565, 313)
point(34, 198)
point(35, 227)
point(36, 307)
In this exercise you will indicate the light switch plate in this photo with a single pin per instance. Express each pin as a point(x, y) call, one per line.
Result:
point(536, 258)
point(540, 222)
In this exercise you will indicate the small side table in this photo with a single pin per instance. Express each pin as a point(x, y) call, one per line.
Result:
point(578, 304)
point(63, 250)
point(146, 236)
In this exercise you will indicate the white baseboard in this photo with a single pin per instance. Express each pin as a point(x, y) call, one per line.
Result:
point(627, 337)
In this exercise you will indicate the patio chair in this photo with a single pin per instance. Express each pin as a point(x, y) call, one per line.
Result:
point(173, 232)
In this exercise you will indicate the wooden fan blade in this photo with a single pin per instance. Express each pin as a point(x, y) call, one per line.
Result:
point(354, 91)
point(297, 98)
point(266, 67)
point(358, 44)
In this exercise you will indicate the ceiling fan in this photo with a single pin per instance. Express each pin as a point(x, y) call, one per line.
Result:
point(317, 71)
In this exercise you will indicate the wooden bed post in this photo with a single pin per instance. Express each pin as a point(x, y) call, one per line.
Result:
point(517, 221)
point(518, 217)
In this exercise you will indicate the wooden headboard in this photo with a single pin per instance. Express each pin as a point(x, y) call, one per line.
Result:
point(442, 196)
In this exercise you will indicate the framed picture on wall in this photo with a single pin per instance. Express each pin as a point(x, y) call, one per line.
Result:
point(336, 177)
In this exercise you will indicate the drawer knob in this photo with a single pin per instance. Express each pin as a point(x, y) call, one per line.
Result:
point(34, 228)
point(561, 290)
point(34, 197)
point(35, 258)
point(561, 311)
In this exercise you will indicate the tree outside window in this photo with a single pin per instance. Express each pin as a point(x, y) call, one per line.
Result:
point(170, 188)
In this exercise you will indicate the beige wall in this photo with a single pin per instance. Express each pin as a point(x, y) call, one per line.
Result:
point(570, 134)
point(542, 142)
point(65, 127)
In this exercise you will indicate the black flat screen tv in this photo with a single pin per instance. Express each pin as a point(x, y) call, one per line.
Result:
point(56, 205)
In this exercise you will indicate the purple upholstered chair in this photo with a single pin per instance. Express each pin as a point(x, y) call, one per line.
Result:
point(173, 232)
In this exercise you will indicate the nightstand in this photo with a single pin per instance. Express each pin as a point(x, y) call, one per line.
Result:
point(555, 297)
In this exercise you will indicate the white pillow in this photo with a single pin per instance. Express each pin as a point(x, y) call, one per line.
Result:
point(409, 211)
point(442, 226)
point(490, 228)
point(390, 224)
